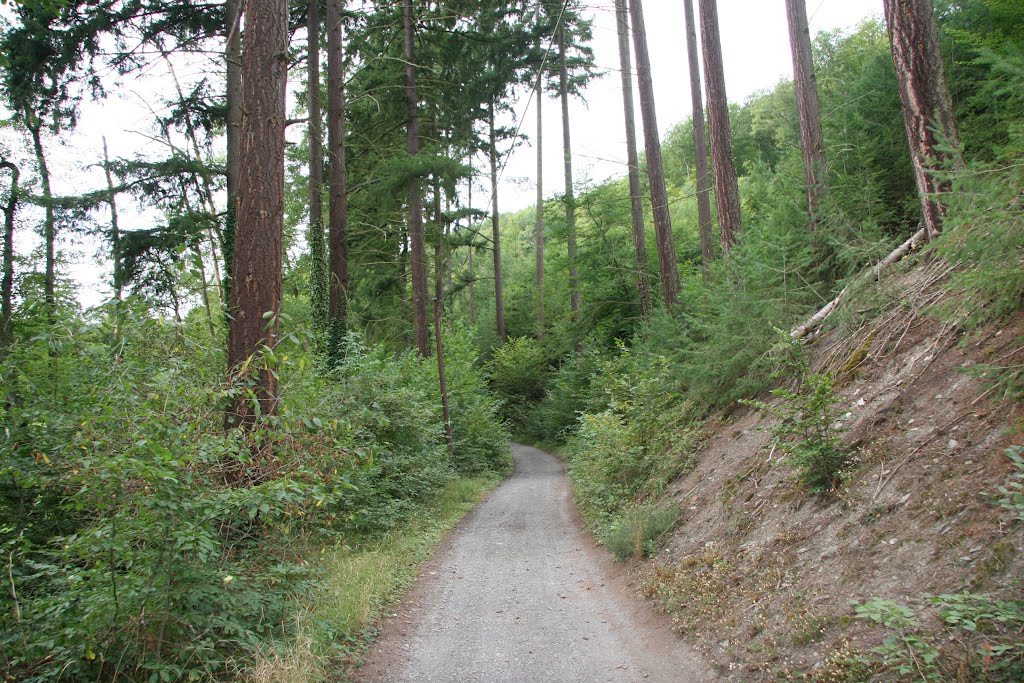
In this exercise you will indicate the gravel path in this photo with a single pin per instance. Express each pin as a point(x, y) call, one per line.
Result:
point(518, 594)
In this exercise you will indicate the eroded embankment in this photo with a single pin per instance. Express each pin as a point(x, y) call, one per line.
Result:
point(761, 575)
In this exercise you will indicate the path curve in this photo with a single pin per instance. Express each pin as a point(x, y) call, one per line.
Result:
point(518, 594)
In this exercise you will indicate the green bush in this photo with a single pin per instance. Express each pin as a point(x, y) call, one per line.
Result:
point(519, 374)
point(146, 542)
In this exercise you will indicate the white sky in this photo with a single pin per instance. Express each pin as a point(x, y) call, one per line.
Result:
point(755, 47)
point(755, 44)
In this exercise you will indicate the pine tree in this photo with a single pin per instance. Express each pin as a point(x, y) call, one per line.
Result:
point(416, 245)
point(318, 279)
point(667, 264)
point(808, 109)
point(927, 107)
point(700, 142)
point(636, 206)
point(337, 255)
point(727, 191)
point(256, 274)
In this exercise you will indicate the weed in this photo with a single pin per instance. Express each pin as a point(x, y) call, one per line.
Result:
point(638, 532)
point(1013, 489)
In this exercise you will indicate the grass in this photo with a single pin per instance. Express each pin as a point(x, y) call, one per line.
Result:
point(363, 579)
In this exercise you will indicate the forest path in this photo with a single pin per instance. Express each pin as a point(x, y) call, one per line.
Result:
point(519, 594)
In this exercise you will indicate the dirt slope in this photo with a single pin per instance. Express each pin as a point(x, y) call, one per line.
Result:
point(760, 575)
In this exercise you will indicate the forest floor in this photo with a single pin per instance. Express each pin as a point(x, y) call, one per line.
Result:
point(520, 593)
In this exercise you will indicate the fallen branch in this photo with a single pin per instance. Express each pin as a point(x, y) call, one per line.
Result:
point(898, 253)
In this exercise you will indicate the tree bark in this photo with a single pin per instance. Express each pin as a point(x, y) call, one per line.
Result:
point(667, 265)
point(469, 256)
point(727, 191)
point(337, 259)
point(539, 230)
point(570, 193)
point(439, 244)
point(499, 296)
point(7, 284)
point(808, 109)
point(256, 272)
point(636, 206)
point(927, 107)
point(319, 288)
point(417, 248)
point(233, 97)
point(700, 143)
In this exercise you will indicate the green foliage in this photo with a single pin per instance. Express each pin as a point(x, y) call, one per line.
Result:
point(904, 652)
point(519, 374)
point(145, 541)
point(807, 428)
point(1013, 489)
point(991, 626)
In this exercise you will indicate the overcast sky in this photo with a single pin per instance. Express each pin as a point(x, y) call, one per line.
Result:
point(755, 44)
point(755, 47)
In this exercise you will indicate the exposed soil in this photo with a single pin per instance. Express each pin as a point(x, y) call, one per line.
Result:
point(760, 575)
point(519, 593)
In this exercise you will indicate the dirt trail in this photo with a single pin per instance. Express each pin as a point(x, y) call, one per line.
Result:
point(519, 594)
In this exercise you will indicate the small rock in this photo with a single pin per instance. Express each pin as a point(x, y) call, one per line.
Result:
point(862, 402)
point(893, 541)
point(953, 444)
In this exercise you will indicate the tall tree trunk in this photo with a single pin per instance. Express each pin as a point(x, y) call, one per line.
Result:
point(49, 224)
point(256, 273)
point(233, 62)
point(727, 190)
point(700, 143)
point(636, 205)
point(337, 259)
point(7, 284)
point(570, 191)
point(927, 107)
point(539, 221)
point(469, 256)
point(115, 231)
point(499, 296)
point(319, 287)
point(416, 245)
point(439, 244)
point(808, 109)
point(668, 267)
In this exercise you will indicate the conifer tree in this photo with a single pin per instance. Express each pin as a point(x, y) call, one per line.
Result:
point(417, 248)
point(700, 142)
point(337, 256)
point(727, 191)
point(667, 265)
point(808, 108)
point(636, 206)
point(256, 274)
point(318, 278)
point(927, 107)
